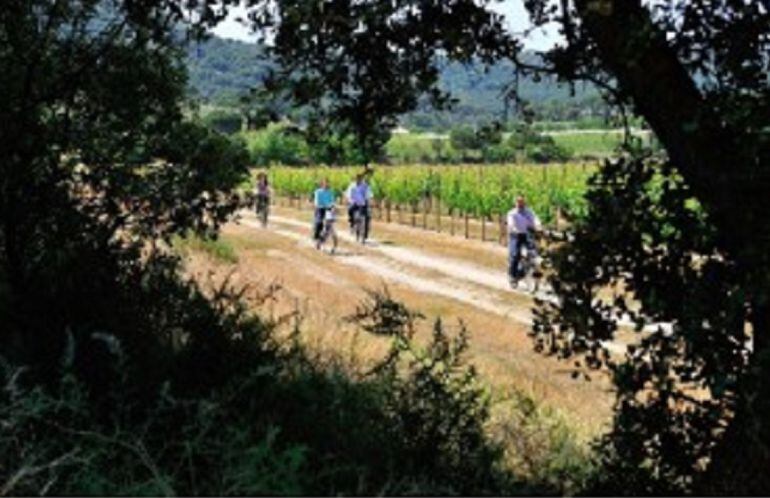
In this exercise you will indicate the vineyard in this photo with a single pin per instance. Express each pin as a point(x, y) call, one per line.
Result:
point(482, 192)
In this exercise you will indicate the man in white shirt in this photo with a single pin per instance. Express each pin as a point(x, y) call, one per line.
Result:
point(359, 198)
point(522, 221)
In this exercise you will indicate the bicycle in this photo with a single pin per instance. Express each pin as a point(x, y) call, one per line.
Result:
point(528, 269)
point(328, 231)
point(262, 209)
point(359, 224)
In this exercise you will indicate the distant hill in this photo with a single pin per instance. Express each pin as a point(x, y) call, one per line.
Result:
point(221, 70)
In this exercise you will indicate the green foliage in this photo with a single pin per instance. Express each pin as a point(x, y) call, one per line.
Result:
point(484, 141)
point(221, 71)
point(542, 445)
point(536, 147)
point(590, 144)
point(546, 151)
point(331, 147)
point(120, 376)
point(281, 144)
point(276, 144)
point(224, 121)
point(500, 153)
point(686, 397)
point(99, 166)
point(268, 418)
point(465, 138)
point(358, 84)
point(478, 190)
point(437, 409)
point(412, 148)
point(643, 230)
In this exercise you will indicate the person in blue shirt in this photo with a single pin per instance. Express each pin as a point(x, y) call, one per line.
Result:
point(323, 199)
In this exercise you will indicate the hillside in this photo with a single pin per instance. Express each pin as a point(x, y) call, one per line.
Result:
point(222, 69)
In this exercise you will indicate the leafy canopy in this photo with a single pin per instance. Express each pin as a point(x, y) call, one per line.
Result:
point(686, 234)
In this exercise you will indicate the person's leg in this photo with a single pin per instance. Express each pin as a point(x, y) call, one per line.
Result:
point(318, 223)
point(367, 221)
point(513, 259)
point(521, 242)
point(351, 214)
point(357, 213)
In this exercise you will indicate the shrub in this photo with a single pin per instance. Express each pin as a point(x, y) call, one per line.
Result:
point(228, 122)
point(501, 153)
point(276, 144)
point(546, 151)
point(235, 412)
point(464, 138)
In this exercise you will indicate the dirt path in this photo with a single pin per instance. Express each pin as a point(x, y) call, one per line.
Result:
point(402, 266)
point(481, 286)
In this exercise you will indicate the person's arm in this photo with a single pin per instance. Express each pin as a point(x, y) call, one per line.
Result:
point(317, 198)
point(511, 222)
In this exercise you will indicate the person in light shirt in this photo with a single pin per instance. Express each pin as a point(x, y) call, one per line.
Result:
point(522, 221)
point(323, 199)
point(360, 195)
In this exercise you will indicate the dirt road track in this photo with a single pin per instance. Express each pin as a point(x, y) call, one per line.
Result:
point(482, 287)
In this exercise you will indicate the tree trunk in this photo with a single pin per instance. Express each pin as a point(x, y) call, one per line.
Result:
point(705, 151)
point(387, 210)
point(483, 228)
point(437, 206)
point(466, 225)
point(741, 459)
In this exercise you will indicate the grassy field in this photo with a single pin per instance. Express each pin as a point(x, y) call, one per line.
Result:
point(428, 147)
point(588, 144)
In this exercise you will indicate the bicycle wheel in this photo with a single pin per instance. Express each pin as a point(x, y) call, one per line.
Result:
point(263, 216)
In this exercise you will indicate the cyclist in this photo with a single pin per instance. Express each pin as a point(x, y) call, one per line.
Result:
point(323, 199)
point(360, 196)
point(262, 195)
point(522, 223)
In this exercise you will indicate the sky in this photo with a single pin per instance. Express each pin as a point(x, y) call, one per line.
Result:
point(513, 10)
